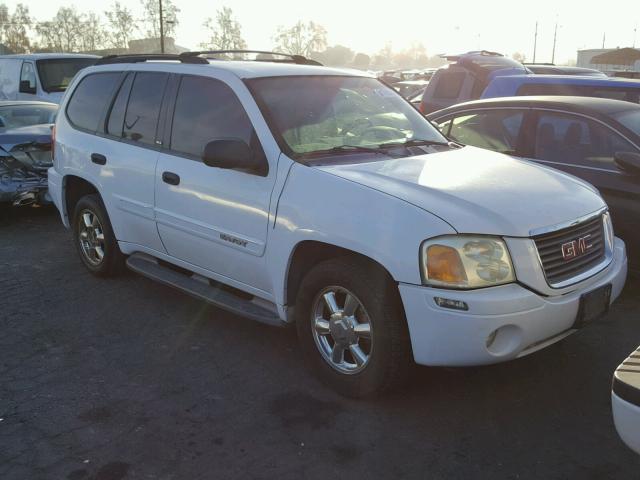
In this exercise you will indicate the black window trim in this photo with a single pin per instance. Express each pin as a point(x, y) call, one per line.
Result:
point(169, 117)
point(33, 69)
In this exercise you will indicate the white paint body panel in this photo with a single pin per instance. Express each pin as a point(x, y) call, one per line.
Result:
point(381, 209)
point(626, 417)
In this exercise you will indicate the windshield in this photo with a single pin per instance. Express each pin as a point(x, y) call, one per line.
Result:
point(56, 74)
point(630, 119)
point(316, 114)
point(15, 116)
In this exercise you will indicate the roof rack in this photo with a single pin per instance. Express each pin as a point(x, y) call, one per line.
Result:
point(266, 56)
point(144, 57)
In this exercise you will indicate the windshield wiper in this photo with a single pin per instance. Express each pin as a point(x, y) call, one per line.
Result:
point(345, 149)
point(414, 143)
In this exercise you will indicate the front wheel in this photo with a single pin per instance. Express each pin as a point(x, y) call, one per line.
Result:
point(351, 327)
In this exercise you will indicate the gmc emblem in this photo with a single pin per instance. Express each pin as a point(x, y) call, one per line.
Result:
point(576, 248)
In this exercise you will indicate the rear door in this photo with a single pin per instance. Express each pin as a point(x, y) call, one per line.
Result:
point(210, 217)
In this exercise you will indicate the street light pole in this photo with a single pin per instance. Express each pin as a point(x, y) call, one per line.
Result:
point(555, 36)
point(535, 43)
point(161, 28)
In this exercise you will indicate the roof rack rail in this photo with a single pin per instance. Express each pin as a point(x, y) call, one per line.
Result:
point(144, 57)
point(266, 56)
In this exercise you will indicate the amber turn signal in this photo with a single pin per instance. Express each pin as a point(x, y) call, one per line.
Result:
point(444, 265)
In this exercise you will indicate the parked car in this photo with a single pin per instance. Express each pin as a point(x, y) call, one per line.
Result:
point(595, 139)
point(25, 151)
point(551, 69)
point(349, 216)
point(408, 87)
point(39, 76)
point(416, 97)
point(625, 400)
point(479, 75)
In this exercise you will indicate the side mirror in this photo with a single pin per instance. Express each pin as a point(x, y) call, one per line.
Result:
point(25, 87)
point(231, 153)
point(628, 161)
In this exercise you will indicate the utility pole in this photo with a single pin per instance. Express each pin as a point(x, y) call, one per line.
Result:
point(161, 28)
point(535, 43)
point(635, 29)
point(555, 36)
point(604, 36)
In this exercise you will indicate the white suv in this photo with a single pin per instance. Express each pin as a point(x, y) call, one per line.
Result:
point(293, 193)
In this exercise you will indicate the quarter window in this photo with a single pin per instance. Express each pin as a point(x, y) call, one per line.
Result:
point(496, 130)
point(28, 74)
point(570, 139)
point(89, 99)
point(143, 110)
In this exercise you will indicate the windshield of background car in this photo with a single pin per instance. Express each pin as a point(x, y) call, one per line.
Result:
point(56, 74)
point(15, 116)
point(630, 119)
point(320, 113)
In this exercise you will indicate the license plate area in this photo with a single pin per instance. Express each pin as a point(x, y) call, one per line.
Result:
point(593, 305)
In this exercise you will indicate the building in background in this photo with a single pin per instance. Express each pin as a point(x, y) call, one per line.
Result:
point(612, 61)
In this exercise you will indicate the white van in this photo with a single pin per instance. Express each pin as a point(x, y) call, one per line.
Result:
point(40, 76)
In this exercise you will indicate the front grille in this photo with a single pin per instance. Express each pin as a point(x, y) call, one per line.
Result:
point(556, 267)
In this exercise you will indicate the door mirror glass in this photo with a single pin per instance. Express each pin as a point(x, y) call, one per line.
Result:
point(628, 161)
point(25, 87)
point(229, 153)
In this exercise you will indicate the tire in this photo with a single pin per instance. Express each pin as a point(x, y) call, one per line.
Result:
point(94, 239)
point(387, 350)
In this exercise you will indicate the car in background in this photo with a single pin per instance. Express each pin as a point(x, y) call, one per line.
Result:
point(25, 151)
point(625, 400)
point(595, 139)
point(39, 76)
point(416, 97)
point(478, 75)
point(408, 87)
point(551, 69)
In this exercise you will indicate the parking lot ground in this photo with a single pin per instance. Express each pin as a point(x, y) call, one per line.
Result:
point(125, 378)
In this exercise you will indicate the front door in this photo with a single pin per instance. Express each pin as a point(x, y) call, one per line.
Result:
point(210, 217)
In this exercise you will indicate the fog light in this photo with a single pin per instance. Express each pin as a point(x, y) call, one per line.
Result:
point(449, 303)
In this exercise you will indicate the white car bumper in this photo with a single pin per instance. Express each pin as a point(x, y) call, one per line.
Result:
point(502, 322)
point(625, 400)
point(55, 191)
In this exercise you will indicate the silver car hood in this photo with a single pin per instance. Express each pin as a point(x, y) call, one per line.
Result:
point(478, 191)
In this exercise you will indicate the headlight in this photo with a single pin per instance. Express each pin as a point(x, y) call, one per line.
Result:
point(466, 261)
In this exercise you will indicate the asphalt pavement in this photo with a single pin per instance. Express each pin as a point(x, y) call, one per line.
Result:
point(127, 379)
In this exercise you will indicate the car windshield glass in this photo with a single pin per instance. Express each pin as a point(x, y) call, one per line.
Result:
point(14, 116)
point(630, 119)
point(316, 114)
point(56, 74)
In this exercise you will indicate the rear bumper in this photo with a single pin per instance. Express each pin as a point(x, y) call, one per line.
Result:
point(56, 193)
point(524, 320)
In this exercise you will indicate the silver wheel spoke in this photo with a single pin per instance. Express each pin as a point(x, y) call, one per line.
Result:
point(99, 236)
point(87, 220)
point(330, 300)
point(94, 221)
point(350, 305)
point(363, 330)
point(84, 234)
point(337, 353)
point(322, 326)
point(359, 356)
point(99, 252)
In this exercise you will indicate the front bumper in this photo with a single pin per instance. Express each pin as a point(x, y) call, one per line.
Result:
point(525, 321)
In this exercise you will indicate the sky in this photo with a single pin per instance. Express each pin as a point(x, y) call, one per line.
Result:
point(442, 27)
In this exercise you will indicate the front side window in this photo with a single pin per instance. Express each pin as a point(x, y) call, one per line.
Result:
point(496, 130)
point(28, 74)
point(143, 109)
point(207, 110)
point(630, 119)
point(316, 114)
point(56, 74)
point(89, 99)
point(575, 140)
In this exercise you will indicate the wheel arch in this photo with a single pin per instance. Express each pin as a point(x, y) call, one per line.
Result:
point(74, 188)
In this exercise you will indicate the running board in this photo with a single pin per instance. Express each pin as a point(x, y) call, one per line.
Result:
point(199, 287)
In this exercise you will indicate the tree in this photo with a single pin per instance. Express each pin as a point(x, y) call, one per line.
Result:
point(152, 17)
point(92, 34)
point(121, 25)
point(63, 33)
point(15, 28)
point(361, 61)
point(225, 32)
point(337, 56)
point(301, 39)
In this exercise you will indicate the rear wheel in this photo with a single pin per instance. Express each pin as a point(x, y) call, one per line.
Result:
point(94, 238)
point(352, 328)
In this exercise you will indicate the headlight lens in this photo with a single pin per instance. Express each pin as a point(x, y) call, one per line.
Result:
point(466, 261)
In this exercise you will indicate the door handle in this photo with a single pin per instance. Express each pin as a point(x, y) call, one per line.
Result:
point(170, 178)
point(98, 158)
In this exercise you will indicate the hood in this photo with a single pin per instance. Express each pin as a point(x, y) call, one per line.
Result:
point(478, 191)
point(10, 137)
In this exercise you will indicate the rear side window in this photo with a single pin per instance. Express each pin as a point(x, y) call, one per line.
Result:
point(90, 98)
point(143, 109)
point(207, 110)
point(449, 85)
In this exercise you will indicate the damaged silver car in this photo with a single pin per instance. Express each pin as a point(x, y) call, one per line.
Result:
point(25, 151)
